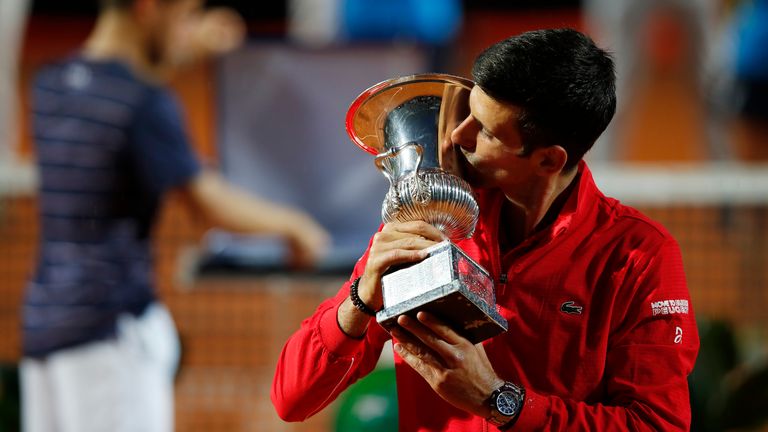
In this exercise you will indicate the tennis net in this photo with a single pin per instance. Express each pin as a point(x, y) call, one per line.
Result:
point(719, 215)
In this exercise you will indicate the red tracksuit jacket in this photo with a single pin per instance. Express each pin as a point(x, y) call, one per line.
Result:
point(618, 361)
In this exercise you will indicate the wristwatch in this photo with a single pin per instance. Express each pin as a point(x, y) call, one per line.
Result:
point(506, 403)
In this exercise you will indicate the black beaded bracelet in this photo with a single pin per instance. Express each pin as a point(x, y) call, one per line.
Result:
point(357, 301)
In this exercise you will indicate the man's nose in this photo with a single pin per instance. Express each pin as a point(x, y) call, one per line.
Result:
point(462, 135)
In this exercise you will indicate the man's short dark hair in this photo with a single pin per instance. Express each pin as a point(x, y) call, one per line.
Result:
point(563, 83)
point(115, 4)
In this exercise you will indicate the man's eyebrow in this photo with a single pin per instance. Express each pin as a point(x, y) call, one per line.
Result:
point(477, 121)
point(482, 126)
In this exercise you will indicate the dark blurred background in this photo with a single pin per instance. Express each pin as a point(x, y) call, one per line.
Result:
point(277, 9)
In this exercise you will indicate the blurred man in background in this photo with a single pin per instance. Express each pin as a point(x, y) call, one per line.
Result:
point(686, 55)
point(99, 350)
point(601, 334)
point(13, 18)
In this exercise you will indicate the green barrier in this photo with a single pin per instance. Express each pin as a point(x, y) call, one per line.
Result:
point(370, 404)
point(728, 391)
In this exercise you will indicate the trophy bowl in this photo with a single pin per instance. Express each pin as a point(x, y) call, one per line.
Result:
point(406, 123)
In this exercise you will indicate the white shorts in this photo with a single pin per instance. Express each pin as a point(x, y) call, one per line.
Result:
point(117, 385)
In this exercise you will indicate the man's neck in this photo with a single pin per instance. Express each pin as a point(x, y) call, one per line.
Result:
point(117, 36)
point(520, 218)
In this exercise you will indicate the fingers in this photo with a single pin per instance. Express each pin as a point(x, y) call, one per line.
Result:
point(390, 241)
point(220, 30)
point(395, 244)
point(317, 240)
point(419, 228)
point(301, 258)
point(308, 245)
point(415, 353)
point(416, 362)
point(446, 352)
point(398, 244)
point(442, 330)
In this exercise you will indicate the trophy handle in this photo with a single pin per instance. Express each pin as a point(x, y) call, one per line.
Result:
point(387, 169)
point(379, 161)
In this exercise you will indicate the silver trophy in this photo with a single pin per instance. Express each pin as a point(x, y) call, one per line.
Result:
point(406, 122)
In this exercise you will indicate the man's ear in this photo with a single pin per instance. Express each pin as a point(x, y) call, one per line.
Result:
point(550, 160)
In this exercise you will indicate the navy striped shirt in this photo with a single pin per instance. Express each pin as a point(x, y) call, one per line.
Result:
point(108, 146)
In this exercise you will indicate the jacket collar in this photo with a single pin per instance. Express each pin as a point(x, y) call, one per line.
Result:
point(579, 205)
point(576, 210)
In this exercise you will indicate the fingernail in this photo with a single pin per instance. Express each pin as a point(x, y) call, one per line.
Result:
point(398, 348)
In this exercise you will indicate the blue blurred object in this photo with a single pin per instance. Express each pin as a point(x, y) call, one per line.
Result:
point(370, 404)
point(751, 39)
point(433, 22)
point(750, 68)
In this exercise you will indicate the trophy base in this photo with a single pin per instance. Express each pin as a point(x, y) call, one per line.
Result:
point(449, 285)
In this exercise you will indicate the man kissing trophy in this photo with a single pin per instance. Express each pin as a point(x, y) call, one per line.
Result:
point(406, 122)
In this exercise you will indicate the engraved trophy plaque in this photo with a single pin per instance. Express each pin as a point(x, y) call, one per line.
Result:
point(406, 122)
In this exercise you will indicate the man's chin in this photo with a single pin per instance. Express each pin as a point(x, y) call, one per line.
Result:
point(469, 173)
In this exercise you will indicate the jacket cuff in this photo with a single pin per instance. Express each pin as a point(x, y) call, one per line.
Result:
point(535, 412)
point(334, 339)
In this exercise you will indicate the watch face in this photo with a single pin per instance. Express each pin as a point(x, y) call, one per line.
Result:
point(507, 403)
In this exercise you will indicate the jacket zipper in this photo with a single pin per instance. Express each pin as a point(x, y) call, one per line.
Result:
point(497, 270)
point(502, 282)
